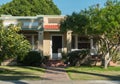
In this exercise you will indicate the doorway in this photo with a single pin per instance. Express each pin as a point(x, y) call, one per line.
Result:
point(56, 47)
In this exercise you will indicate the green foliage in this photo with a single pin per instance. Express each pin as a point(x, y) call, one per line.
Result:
point(76, 57)
point(30, 8)
point(116, 57)
point(98, 22)
point(105, 22)
point(75, 22)
point(33, 58)
point(12, 44)
point(64, 57)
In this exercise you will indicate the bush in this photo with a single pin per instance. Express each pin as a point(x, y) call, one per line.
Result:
point(33, 58)
point(12, 44)
point(76, 58)
point(64, 57)
point(45, 59)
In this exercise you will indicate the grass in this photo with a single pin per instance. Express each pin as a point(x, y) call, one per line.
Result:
point(93, 73)
point(19, 73)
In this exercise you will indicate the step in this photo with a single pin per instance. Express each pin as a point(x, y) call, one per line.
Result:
point(55, 63)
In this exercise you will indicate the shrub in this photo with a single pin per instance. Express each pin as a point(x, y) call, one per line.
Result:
point(76, 58)
point(45, 59)
point(33, 58)
point(64, 57)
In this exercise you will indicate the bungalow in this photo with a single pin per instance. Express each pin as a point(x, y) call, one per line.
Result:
point(43, 32)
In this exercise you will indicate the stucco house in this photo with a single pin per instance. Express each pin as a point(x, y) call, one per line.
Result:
point(43, 32)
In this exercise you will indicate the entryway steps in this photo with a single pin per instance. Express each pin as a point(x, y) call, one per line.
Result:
point(56, 63)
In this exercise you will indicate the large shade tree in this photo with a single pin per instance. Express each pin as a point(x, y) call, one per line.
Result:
point(30, 8)
point(105, 23)
point(101, 22)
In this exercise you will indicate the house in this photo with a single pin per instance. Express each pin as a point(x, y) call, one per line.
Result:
point(43, 32)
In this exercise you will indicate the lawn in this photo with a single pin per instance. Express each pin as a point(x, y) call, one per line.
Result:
point(93, 73)
point(19, 73)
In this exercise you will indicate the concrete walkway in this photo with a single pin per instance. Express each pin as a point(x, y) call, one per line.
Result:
point(55, 73)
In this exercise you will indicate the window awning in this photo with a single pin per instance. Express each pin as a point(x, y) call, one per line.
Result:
point(52, 27)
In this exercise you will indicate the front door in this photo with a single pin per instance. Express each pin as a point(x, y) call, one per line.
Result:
point(56, 46)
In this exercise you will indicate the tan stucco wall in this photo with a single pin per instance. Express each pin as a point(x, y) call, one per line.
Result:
point(46, 44)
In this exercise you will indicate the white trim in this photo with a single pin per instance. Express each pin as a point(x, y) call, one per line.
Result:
point(91, 44)
point(51, 42)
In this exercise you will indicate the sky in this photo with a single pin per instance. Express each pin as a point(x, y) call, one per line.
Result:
point(67, 7)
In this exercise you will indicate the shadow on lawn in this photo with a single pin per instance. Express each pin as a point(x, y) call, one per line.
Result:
point(11, 71)
point(96, 74)
point(33, 68)
point(19, 77)
point(11, 74)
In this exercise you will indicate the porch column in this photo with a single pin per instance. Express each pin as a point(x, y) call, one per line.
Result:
point(92, 52)
point(91, 43)
point(40, 41)
point(69, 38)
point(33, 42)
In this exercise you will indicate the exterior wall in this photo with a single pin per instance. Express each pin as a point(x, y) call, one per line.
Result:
point(46, 44)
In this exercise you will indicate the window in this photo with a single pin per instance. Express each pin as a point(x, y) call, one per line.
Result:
point(80, 42)
point(73, 42)
point(30, 24)
point(83, 43)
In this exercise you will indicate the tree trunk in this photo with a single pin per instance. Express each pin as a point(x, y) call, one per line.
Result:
point(107, 60)
point(106, 64)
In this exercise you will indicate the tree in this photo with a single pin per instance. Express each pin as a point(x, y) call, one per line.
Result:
point(12, 44)
point(75, 22)
point(105, 23)
point(101, 22)
point(30, 8)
